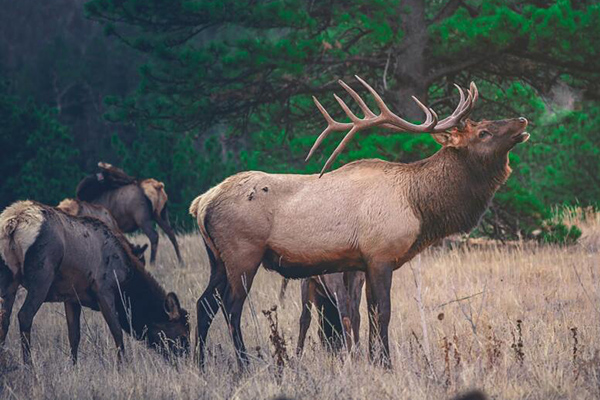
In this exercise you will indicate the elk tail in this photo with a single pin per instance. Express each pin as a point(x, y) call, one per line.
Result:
point(20, 225)
point(198, 209)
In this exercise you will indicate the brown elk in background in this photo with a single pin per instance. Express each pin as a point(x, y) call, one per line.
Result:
point(369, 215)
point(79, 208)
point(336, 298)
point(134, 205)
point(79, 261)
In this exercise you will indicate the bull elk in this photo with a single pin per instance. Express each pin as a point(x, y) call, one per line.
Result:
point(369, 215)
point(79, 261)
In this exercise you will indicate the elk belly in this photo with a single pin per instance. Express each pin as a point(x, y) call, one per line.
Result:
point(303, 267)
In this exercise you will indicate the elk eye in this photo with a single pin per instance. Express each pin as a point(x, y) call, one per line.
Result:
point(484, 134)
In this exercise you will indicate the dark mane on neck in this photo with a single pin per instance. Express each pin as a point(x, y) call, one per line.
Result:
point(450, 192)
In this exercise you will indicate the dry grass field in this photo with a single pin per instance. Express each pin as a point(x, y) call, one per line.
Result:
point(519, 322)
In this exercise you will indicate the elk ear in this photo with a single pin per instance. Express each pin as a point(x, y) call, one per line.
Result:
point(446, 139)
point(442, 138)
point(172, 307)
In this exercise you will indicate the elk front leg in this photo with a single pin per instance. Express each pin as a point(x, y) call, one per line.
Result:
point(356, 282)
point(73, 314)
point(106, 301)
point(379, 283)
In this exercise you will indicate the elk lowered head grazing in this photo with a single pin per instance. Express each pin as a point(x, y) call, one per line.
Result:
point(369, 215)
point(80, 261)
point(176, 325)
point(485, 141)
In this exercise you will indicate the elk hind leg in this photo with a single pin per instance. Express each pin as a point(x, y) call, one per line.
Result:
point(208, 304)
point(149, 231)
point(239, 282)
point(165, 225)
point(39, 286)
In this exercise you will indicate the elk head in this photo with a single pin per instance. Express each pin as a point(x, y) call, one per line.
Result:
point(482, 140)
point(485, 140)
point(172, 331)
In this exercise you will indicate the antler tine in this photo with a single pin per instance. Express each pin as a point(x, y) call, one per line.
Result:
point(475, 94)
point(331, 123)
point(431, 115)
point(378, 100)
point(386, 118)
point(462, 110)
point(323, 111)
point(332, 126)
point(347, 110)
point(315, 145)
point(467, 107)
point(363, 106)
point(461, 102)
point(339, 149)
point(435, 116)
point(392, 118)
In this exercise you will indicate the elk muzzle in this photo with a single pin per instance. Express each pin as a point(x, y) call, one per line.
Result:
point(521, 136)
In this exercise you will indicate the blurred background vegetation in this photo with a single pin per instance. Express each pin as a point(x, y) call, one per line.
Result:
point(191, 91)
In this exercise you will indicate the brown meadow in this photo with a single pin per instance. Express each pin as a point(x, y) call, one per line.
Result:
point(515, 322)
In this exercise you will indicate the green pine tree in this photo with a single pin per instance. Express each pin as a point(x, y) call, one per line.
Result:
point(246, 70)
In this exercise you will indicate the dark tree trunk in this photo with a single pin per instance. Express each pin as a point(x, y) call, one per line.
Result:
point(410, 70)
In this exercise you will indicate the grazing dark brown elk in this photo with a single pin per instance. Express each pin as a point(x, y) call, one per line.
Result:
point(369, 215)
point(79, 261)
point(133, 204)
point(336, 298)
point(80, 208)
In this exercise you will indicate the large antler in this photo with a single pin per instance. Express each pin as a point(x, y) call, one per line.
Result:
point(386, 118)
point(462, 111)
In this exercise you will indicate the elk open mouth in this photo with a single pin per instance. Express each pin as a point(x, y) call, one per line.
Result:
point(521, 137)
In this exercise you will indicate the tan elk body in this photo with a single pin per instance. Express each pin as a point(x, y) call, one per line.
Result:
point(369, 215)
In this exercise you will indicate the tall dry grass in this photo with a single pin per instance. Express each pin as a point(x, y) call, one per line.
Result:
point(515, 323)
point(585, 218)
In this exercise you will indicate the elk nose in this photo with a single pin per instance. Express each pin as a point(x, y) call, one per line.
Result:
point(523, 120)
